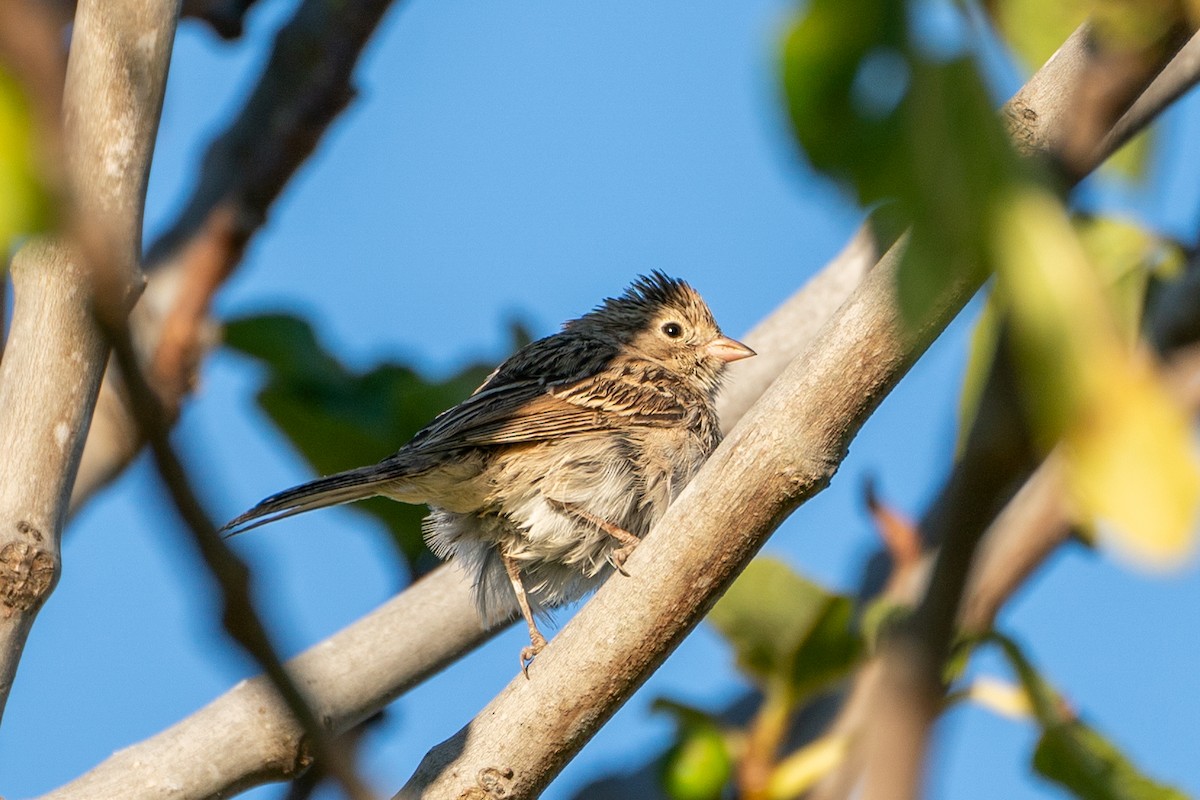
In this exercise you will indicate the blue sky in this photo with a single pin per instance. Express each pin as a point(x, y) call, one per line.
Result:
point(523, 160)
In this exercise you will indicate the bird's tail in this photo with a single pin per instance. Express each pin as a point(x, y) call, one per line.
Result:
point(344, 487)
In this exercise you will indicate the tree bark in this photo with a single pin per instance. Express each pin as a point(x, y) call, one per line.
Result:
point(55, 355)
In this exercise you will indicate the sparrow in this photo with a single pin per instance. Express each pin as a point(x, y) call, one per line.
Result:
point(544, 480)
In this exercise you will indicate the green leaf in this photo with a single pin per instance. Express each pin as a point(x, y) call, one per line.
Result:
point(872, 109)
point(338, 418)
point(26, 206)
point(1088, 765)
point(980, 353)
point(699, 764)
point(1072, 753)
point(830, 650)
point(788, 630)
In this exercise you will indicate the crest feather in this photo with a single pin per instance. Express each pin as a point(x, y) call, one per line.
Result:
point(640, 301)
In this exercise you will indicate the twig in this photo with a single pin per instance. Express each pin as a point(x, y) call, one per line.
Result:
point(207, 260)
point(239, 616)
point(303, 88)
point(225, 17)
point(1179, 76)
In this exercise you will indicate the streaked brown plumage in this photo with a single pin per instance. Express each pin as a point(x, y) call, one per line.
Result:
point(543, 480)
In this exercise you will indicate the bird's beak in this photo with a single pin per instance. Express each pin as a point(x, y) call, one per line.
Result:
point(728, 349)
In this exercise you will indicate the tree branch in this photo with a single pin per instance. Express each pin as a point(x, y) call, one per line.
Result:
point(997, 459)
point(55, 356)
point(305, 85)
point(239, 616)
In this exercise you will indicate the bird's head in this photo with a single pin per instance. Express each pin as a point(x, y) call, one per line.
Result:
point(665, 321)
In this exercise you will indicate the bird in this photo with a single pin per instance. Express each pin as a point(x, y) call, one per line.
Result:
point(543, 481)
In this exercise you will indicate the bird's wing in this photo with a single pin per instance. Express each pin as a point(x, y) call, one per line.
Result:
point(588, 406)
point(577, 390)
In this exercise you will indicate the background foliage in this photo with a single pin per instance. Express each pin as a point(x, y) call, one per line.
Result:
point(614, 146)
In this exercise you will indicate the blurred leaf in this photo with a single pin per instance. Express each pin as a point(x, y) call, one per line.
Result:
point(1132, 159)
point(26, 206)
point(1088, 765)
point(872, 109)
point(338, 418)
point(879, 615)
point(698, 765)
point(801, 770)
point(1129, 454)
point(1125, 256)
point(786, 629)
point(999, 697)
point(1035, 29)
point(1072, 753)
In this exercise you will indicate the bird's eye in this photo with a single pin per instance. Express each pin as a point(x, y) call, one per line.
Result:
point(673, 329)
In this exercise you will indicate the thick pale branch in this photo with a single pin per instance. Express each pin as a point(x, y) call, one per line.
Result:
point(55, 357)
point(247, 736)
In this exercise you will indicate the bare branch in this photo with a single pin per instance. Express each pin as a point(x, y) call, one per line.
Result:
point(239, 616)
point(247, 737)
point(55, 357)
point(305, 85)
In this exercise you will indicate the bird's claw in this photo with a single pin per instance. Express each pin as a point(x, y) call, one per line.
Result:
point(536, 645)
point(618, 557)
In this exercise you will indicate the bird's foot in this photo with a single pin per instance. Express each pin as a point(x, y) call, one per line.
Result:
point(537, 643)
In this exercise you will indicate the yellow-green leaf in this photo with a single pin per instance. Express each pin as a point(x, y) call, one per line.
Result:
point(998, 696)
point(25, 204)
point(1035, 29)
point(1130, 460)
point(1125, 256)
point(797, 773)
